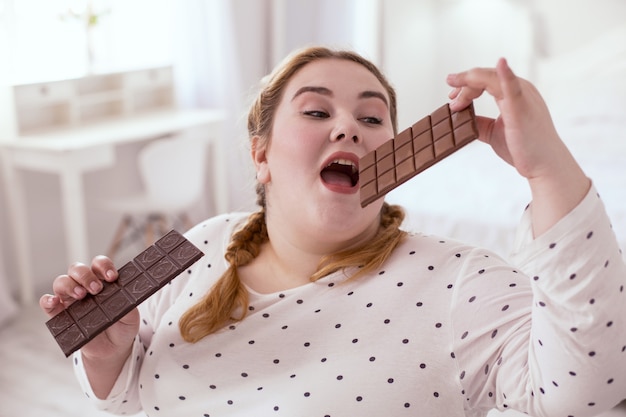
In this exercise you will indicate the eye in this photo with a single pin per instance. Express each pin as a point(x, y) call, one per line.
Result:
point(320, 114)
point(372, 120)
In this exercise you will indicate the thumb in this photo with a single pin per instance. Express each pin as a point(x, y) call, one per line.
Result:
point(51, 305)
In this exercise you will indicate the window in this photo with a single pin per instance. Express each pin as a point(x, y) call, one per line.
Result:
point(50, 39)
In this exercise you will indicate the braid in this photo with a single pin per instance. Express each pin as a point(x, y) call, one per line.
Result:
point(228, 297)
point(246, 243)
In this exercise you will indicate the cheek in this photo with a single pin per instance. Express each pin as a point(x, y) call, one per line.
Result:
point(379, 139)
point(297, 151)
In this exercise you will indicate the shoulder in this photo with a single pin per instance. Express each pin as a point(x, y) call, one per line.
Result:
point(210, 236)
point(444, 257)
point(432, 247)
point(215, 232)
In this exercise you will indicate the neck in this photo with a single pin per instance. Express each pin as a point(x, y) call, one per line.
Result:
point(288, 259)
point(276, 269)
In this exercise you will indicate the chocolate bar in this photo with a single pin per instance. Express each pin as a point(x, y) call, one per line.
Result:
point(137, 280)
point(416, 148)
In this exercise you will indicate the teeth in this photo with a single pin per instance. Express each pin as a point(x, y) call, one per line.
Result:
point(344, 162)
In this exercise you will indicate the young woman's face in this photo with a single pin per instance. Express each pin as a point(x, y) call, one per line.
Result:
point(332, 113)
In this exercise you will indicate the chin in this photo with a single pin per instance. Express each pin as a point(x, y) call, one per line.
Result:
point(349, 218)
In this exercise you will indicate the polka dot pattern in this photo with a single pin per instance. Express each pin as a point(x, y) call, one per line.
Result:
point(441, 329)
point(331, 345)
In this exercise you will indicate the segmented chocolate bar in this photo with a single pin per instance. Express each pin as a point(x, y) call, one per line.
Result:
point(138, 279)
point(416, 148)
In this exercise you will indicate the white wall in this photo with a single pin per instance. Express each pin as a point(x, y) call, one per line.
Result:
point(353, 24)
point(424, 41)
point(566, 24)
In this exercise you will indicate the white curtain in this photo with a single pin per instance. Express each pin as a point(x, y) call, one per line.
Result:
point(222, 48)
point(8, 306)
point(203, 46)
point(220, 51)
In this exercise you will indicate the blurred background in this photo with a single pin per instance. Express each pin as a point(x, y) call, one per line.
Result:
point(86, 86)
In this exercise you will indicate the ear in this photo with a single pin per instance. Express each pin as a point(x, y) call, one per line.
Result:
point(259, 157)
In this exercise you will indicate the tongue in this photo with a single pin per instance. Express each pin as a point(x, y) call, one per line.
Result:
point(336, 178)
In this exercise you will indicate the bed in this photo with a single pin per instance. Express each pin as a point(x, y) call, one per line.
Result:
point(477, 198)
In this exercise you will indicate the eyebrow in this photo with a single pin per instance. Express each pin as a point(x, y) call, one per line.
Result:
point(327, 92)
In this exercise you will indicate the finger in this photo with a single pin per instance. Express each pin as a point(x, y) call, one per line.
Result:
point(464, 97)
point(51, 305)
point(104, 268)
point(476, 78)
point(68, 290)
point(85, 276)
point(454, 93)
point(509, 83)
point(485, 126)
point(472, 84)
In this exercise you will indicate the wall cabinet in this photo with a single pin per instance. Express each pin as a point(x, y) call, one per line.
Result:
point(76, 102)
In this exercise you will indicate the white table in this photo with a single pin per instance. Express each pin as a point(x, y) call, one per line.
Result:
point(70, 153)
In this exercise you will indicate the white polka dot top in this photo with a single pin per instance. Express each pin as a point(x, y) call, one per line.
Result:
point(442, 329)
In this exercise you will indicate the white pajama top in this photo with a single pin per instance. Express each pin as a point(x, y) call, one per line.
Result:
point(442, 329)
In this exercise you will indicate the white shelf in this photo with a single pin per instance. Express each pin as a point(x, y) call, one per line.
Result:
point(81, 101)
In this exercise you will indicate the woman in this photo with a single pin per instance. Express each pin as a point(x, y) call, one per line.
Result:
point(324, 308)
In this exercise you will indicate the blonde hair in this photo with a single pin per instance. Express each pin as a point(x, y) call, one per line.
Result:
point(227, 301)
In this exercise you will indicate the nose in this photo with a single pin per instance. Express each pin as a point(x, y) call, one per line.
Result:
point(346, 128)
point(342, 136)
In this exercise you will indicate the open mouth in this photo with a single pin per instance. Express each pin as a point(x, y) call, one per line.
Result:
point(341, 172)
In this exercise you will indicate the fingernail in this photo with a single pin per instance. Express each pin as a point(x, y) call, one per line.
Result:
point(79, 292)
point(110, 274)
point(50, 300)
point(95, 286)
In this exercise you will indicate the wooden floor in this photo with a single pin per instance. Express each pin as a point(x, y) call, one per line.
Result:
point(36, 380)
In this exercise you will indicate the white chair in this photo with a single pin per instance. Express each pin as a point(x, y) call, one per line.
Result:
point(173, 173)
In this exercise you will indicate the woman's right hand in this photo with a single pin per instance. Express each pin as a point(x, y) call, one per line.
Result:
point(115, 342)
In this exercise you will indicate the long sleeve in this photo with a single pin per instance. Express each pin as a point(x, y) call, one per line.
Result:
point(564, 354)
point(124, 398)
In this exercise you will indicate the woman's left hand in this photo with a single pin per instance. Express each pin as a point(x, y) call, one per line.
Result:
point(524, 136)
